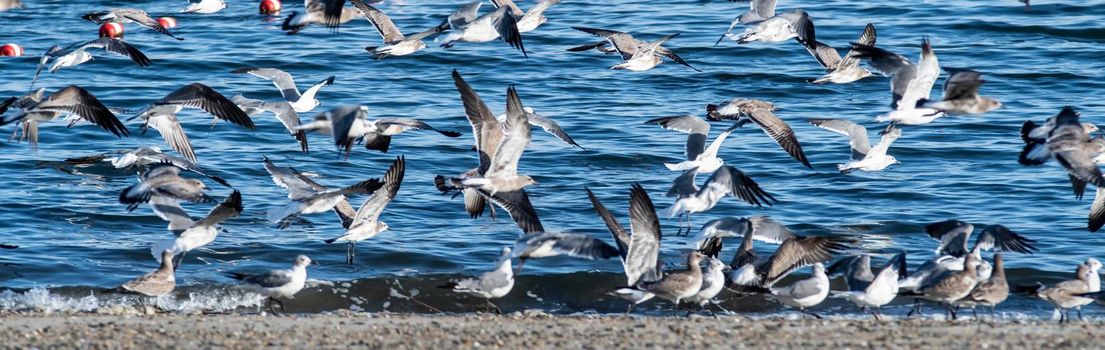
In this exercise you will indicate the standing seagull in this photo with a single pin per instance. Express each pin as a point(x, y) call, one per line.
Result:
point(744, 111)
point(204, 6)
point(949, 288)
point(493, 284)
point(636, 55)
point(864, 157)
point(1075, 293)
point(992, 291)
point(466, 27)
point(281, 109)
point(550, 244)
point(640, 248)
point(161, 114)
point(841, 70)
point(880, 291)
point(727, 180)
point(676, 285)
point(395, 43)
point(77, 54)
point(301, 103)
point(190, 234)
point(367, 223)
point(961, 94)
point(699, 156)
point(277, 283)
point(527, 21)
point(124, 15)
point(713, 281)
point(72, 100)
point(783, 26)
point(805, 293)
point(911, 84)
point(157, 283)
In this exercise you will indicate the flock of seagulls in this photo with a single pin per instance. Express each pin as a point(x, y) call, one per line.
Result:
point(956, 276)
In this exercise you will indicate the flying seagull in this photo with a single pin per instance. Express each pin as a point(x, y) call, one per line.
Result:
point(464, 26)
point(331, 13)
point(744, 111)
point(125, 15)
point(77, 54)
point(161, 114)
point(71, 100)
point(366, 224)
point(348, 124)
point(864, 157)
point(301, 102)
point(910, 84)
point(281, 109)
point(703, 159)
point(163, 180)
point(188, 234)
point(961, 94)
point(841, 70)
point(527, 21)
point(395, 43)
point(727, 180)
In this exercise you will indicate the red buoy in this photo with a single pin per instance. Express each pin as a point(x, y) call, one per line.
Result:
point(111, 30)
point(270, 7)
point(11, 49)
point(167, 22)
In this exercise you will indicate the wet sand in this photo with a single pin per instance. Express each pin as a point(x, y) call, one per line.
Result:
point(532, 330)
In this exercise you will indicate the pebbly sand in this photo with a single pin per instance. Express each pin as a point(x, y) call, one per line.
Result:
point(529, 330)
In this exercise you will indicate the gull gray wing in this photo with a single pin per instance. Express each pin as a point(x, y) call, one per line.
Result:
point(283, 81)
point(621, 237)
point(288, 178)
point(372, 208)
point(518, 205)
point(517, 12)
point(383, 24)
point(952, 235)
point(486, 129)
point(197, 95)
point(694, 126)
point(626, 45)
point(799, 252)
point(857, 134)
point(642, 262)
point(962, 84)
point(1002, 239)
point(1097, 211)
point(169, 127)
point(728, 180)
point(552, 128)
point(76, 100)
point(517, 137)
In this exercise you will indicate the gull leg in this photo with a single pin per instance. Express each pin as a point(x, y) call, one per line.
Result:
point(718, 306)
point(974, 312)
point(497, 310)
point(178, 259)
point(676, 313)
point(349, 253)
point(1079, 310)
point(630, 309)
point(994, 311)
point(916, 308)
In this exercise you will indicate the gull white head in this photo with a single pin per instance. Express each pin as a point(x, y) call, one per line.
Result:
point(1093, 264)
point(302, 261)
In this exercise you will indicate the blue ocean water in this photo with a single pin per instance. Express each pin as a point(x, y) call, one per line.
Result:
point(74, 237)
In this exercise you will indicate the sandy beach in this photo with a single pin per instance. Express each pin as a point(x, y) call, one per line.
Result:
point(531, 330)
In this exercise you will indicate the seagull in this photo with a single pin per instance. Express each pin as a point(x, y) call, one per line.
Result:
point(675, 286)
point(1073, 294)
point(744, 111)
point(493, 284)
point(910, 83)
point(1066, 139)
point(395, 43)
point(953, 236)
point(841, 70)
point(77, 54)
point(759, 11)
point(489, 134)
point(163, 180)
point(161, 114)
point(527, 21)
point(281, 109)
point(72, 100)
point(856, 271)
point(626, 46)
point(713, 281)
point(1034, 135)
point(949, 287)
point(10, 4)
point(188, 234)
point(502, 174)
point(277, 283)
point(640, 247)
point(992, 291)
point(864, 157)
point(727, 180)
point(157, 283)
point(754, 273)
point(366, 224)
point(699, 156)
point(348, 123)
point(550, 126)
point(466, 27)
point(805, 293)
point(550, 244)
point(310, 201)
point(331, 13)
point(880, 290)
point(145, 157)
point(783, 26)
point(125, 15)
point(204, 6)
point(283, 81)
point(637, 55)
point(961, 94)
point(300, 183)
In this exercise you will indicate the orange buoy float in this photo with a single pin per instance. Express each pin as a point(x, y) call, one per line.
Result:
point(167, 22)
point(111, 30)
point(270, 7)
point(10, 49)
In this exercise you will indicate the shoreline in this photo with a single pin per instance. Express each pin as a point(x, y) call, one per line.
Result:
point(531, 329)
